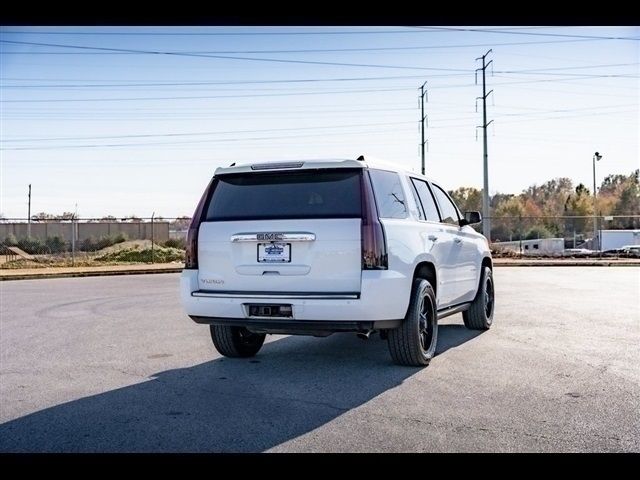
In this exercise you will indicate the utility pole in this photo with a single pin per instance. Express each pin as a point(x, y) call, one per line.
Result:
point(29, 215)
point(486, 210)
point(73, 237)
point(596, 157)
point(152, 217)
point(423, 118)
point(74, 234)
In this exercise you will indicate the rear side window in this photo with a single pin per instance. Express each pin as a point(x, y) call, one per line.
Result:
point(389, 195)
point(428, 203)
point(418, 204)
point(300, 194)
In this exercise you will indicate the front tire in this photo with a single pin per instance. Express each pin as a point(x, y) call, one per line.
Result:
point(236, 342)
point(414, 342)
point(480, 313)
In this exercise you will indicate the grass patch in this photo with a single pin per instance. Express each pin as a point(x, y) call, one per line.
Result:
point(160, 255)
point(125, 256)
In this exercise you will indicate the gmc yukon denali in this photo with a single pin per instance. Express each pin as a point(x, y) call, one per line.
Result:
point(324, 246)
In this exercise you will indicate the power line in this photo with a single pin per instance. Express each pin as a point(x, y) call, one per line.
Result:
point(230, 82)
point(539, 71)
point(340, 32)
point(572, 80)
point(216, 114)
point(590, 77)
point(571, 92)
point(486, 30)
point(577, 67)
point(344, 32)
point(320, 50)
point(199, 97)
point(203, 133)
point(196, 84)
point(277, 60)
point(241, 139)
point(586, 77)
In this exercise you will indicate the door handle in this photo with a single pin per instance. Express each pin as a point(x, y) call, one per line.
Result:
point(457, 240)
point(433, 238)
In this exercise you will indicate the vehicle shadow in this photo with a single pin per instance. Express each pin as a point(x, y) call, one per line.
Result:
point(293, 386)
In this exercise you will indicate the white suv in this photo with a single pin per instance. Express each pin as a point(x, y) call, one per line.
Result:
point(317, 247)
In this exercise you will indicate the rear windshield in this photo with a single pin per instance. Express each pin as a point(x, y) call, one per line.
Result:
point(302, 194)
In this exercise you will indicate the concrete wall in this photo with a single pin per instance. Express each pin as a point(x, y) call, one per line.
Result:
point(42, 230)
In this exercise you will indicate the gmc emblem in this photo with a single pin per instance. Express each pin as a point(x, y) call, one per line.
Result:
point(269, 236)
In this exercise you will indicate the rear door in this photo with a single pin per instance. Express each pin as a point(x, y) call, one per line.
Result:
point(285, 231)
point(439, 240)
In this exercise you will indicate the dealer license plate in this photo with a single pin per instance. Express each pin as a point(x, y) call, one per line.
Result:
point(274, 252)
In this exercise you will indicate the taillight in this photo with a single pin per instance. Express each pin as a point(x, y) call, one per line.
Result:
point(191, 254)
point(374, 245)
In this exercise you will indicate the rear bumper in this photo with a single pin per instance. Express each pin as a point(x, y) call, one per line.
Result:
point(384, 295)
point(289, 326)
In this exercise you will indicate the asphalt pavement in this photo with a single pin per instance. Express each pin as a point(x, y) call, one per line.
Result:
point(112, 364)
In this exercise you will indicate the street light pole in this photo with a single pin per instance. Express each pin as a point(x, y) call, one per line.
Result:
point(596, 157)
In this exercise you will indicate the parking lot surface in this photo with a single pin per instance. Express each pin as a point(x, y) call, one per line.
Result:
point(113, 364)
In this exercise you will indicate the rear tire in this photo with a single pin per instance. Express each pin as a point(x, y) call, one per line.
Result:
point(236, 342)
point(414, 342)
point(480, 313)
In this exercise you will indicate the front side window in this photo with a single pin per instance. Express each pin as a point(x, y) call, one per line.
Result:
point(448, 210)
point(389, 195)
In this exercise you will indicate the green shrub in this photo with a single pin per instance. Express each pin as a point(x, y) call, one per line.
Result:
point(104, 242)
point(91, 244)
point(130, 255)
point(176, 243)
point(88, 244)
point(56, 244)
point(11, 240)
point(32, 245)
point(537, 232)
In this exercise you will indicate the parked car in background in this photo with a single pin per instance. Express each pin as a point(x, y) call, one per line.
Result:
point(631, 250)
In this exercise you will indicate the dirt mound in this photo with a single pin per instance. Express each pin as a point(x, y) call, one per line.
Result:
point(129, 244)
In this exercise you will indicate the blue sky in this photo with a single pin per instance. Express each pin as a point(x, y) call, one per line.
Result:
point(108, 127)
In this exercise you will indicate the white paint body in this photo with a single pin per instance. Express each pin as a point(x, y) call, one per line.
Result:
point(612, 239)
point(331, 263)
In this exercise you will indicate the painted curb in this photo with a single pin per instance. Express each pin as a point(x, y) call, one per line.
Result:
point(36, 276)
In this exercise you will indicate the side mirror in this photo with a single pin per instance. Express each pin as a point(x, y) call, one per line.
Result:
point(471, 218)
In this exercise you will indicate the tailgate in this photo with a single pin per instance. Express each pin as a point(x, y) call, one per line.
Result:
point(286, 231)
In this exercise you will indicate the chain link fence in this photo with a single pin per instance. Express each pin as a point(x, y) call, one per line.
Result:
point(111, 241)
point(566, 236)
point(91, 241)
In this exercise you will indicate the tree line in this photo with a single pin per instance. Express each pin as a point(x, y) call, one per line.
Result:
point(537, 211)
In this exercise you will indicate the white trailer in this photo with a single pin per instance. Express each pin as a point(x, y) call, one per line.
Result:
point(538, 246)
point(614, 239)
